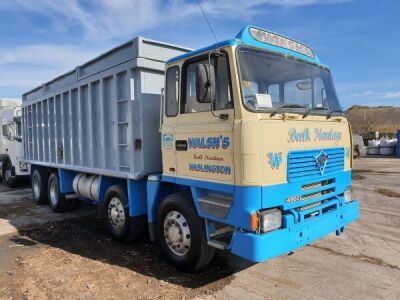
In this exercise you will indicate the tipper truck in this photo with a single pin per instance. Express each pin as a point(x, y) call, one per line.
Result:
point(13, 169)
point(240, 146)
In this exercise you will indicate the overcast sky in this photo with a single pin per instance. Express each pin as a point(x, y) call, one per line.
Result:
point(358, 39)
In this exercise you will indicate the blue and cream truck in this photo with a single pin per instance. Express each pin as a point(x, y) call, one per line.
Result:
point(240, 146)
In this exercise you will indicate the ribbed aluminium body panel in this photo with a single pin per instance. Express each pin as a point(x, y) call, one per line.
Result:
point(103, 117)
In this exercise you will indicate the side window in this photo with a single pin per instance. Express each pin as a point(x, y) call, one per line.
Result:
point(191, 104)
point(223, 97)
point(172, 90)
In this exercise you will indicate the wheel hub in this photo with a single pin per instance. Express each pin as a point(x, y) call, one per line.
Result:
point(173, 234)
point(177, 233)
point(36, 187)
point(116, 214)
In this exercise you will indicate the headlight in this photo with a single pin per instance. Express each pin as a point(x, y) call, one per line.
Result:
point(270, 219)
point(23, 166)
point(347, 195)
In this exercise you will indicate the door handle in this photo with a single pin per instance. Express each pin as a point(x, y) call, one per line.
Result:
point(181, 145)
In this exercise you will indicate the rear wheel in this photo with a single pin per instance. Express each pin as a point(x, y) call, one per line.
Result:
point(119, 224)
point(7, 174)
point(181, 233)
point(57, 201)
point(39, 181)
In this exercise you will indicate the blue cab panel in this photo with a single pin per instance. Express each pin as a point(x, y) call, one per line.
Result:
point(245, 38)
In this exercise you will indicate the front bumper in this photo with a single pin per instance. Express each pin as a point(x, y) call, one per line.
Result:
point(260, 247)
point(19, 173)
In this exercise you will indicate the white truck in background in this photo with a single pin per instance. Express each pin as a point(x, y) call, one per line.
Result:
point(12, 168)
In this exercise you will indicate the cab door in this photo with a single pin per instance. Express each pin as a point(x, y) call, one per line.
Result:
point(203, 132)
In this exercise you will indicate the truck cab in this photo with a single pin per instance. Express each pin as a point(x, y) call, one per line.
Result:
point(12, 168)
point(252, 126)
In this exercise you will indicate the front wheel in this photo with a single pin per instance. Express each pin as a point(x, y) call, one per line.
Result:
point(181, 233)
point(7, 174)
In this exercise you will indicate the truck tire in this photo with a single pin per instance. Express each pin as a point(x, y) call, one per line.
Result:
point(119, 224)
point(181, 233)
point(57, 201)
point(39, 181)
point(7, 177)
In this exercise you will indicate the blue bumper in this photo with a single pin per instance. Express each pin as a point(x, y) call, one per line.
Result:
point(259, 247)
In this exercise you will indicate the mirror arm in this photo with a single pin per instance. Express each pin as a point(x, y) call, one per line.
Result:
point(162, 109)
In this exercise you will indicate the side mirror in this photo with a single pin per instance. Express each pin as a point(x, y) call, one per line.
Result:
point(205, 83)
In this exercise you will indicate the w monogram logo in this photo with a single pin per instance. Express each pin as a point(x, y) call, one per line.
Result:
point(274, 159)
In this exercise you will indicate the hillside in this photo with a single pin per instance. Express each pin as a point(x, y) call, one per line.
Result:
point(364, 119)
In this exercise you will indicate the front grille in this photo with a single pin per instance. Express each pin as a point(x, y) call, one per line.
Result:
point(317, 189)
point(302, 164)
point(317, 209)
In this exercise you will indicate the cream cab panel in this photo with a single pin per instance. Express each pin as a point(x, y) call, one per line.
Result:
point(265, 162)
point(203, 147)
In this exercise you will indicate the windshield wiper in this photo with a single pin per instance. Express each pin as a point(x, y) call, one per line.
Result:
point(331, 112)
point(286, 106)
point(328, 114)
point(314, 109)
point(292, 106)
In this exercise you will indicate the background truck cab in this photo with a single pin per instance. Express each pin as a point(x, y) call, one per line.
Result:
point(12, 168)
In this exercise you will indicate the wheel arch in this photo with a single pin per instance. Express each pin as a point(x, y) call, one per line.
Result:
point(45, 169)
point(3, 159)
point(157, 191)
point(105, 183)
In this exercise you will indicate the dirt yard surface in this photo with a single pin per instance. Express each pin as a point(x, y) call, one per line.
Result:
point(45, 255)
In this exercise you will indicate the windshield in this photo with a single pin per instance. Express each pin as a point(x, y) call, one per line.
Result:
point(13, 130)
point(274, 83)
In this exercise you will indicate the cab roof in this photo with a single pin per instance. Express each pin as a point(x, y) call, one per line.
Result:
point(245, 37)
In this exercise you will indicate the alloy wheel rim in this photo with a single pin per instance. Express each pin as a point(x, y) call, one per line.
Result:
point(177, 233)
point(36, 187)
point(116, 214)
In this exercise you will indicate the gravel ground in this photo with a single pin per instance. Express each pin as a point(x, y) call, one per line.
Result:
point(46, 255)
